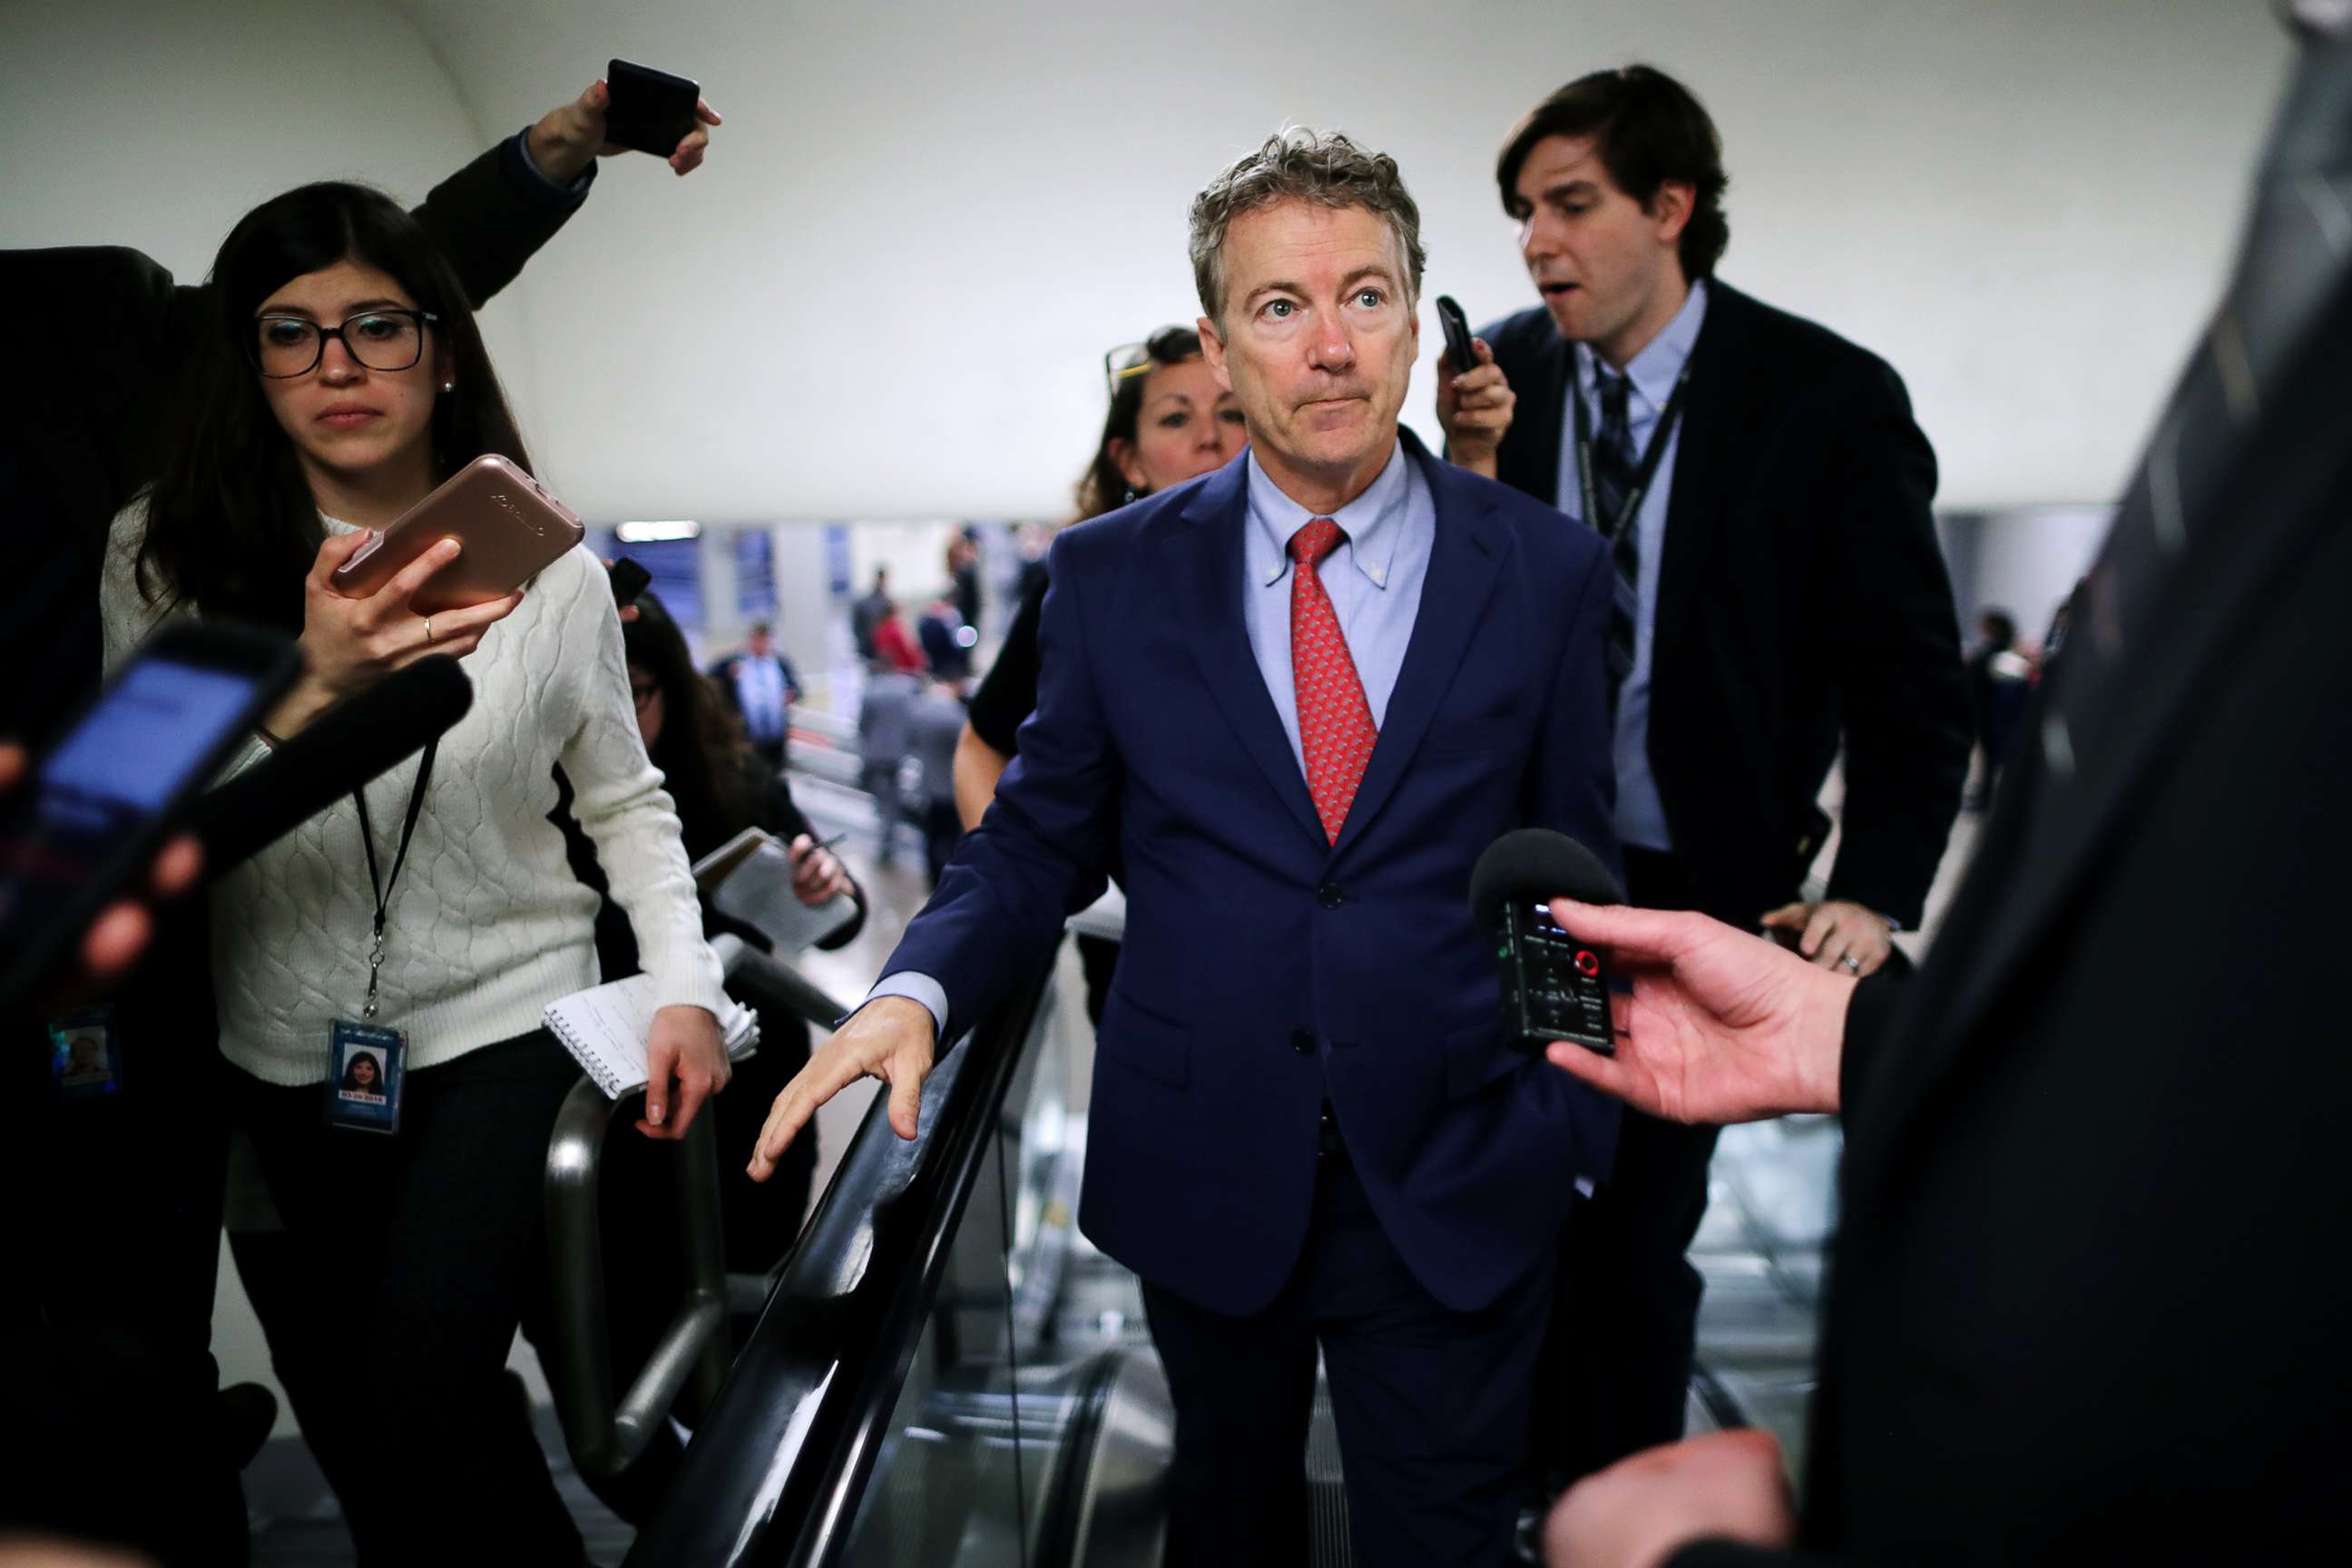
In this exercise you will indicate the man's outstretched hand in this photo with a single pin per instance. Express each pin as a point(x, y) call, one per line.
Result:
point(1722, 1027)
point(891, 1038)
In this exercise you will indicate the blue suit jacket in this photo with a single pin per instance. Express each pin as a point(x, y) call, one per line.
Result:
point(1264, 969)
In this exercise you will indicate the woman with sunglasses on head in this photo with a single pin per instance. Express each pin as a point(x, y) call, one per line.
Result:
point(1168, 422)
point(338, 378)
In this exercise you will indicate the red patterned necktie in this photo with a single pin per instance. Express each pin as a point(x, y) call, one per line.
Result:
point(1335, 723)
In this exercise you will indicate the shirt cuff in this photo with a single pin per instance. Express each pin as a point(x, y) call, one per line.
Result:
point(525, 176)
point(915, 987)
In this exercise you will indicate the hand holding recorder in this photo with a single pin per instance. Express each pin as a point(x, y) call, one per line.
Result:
point(1722, 1027)
point(600, 123)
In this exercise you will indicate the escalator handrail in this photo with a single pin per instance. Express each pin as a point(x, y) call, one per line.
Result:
point(776, 1469)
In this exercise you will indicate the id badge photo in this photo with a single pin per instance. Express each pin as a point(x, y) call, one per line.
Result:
point(366, 1064)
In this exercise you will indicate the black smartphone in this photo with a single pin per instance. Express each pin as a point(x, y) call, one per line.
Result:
point(1459, 355)
point(629, 580)
point(85, 826)
point(651, 111)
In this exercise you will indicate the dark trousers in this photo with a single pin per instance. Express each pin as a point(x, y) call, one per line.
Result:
point(1616, 1367)
point(413, 1259)
point(1432, 1404)
point(107, 1413)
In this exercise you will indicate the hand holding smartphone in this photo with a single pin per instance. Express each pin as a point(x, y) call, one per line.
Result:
point(1461, 352)
point(83, 831)
point(650, 110)
point(509, 527)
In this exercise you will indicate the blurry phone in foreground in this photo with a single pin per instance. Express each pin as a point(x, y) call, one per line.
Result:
point(83, 828)
point(509, 527)
point(650, 110)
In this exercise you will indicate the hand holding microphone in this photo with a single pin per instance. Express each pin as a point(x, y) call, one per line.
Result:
point(1721, 1026)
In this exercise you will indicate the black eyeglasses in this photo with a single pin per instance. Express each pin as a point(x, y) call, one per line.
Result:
point(1168, 345)
point(645, 693)
point(284, 346)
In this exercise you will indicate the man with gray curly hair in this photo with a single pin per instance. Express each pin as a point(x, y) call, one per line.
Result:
point(1300, 694)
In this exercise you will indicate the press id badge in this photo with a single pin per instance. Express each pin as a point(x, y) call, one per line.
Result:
point(365, 1066)
point(86, 1055)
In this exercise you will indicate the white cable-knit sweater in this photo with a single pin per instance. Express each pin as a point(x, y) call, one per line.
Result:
point(487, 924)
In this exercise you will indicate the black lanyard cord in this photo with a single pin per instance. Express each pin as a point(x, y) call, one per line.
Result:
point(382, 888)
point(1648, 470)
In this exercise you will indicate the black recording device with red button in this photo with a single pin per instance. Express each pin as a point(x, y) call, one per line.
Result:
point(1554, 986)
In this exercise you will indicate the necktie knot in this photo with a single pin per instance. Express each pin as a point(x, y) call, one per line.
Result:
point(1316, 540)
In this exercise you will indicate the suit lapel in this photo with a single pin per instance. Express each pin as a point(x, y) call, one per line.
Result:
point(1206, 572)
point(1710, 450)
point(1531, 462)
point(1464, 559)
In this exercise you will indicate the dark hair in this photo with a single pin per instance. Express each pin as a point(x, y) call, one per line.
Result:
point(2000, 626)
point(1650, 131)
point(1103, 488)
point(707, 764)
point(351, 1073)
point(231, 524)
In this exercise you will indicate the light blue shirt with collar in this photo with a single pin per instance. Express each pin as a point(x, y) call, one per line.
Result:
point(1374, 579)
point(1640, 815)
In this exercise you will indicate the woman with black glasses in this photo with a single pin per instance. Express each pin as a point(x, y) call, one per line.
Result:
point(338, 378)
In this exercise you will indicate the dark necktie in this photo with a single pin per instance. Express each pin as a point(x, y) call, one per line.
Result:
point(1612, 481)
point(1335, 723)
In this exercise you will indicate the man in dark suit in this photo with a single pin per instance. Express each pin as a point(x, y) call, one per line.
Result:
point(1303, 693)
point(761, 685)
point(1780, 595)
point(2088, 1300)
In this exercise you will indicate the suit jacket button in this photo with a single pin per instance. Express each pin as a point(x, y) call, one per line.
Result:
point(1303, 1041)
point(1331, 895)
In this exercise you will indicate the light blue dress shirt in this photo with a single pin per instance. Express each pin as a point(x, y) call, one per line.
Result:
point(1374, 579)
point(1640, 815)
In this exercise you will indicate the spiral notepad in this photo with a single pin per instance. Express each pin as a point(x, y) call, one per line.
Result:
point(604, 1029)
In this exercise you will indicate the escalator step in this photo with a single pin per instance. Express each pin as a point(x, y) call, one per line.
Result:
point(1327, 1497)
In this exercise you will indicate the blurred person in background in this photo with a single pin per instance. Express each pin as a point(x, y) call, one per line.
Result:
point(933, 729)
point(761, 686)
point(338, 378)
point(2000, 681)
point(894, 646)
point(963, 572)
point(946, 639)
point(885, 736)
point(1168, 421)
point(128, 1306)
point(870, 610)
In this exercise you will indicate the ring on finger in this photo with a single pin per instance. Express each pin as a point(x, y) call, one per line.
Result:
point(428, 630)
point(1852, 963)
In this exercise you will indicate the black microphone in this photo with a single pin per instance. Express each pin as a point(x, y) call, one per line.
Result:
point(1553, 985)
point(353, 742)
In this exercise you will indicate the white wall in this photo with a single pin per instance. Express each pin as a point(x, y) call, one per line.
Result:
point(157, 125)
point(890, 291)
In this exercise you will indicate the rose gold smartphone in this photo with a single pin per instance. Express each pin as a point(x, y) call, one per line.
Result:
point(510, 527)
